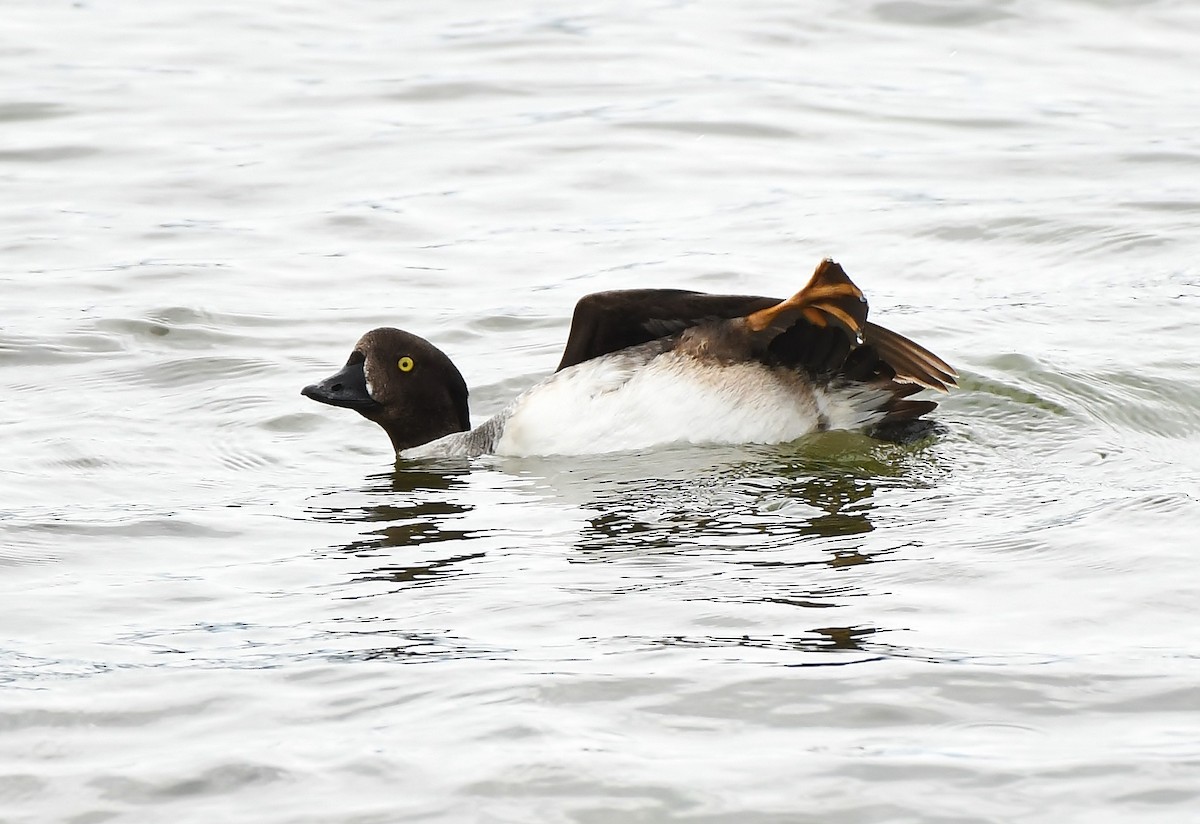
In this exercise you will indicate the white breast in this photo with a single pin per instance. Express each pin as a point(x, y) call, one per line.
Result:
point(619, 402)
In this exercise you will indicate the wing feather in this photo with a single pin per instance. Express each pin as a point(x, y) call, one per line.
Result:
point(912, 362)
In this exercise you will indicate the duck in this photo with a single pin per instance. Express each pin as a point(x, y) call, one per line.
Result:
point(644, 368)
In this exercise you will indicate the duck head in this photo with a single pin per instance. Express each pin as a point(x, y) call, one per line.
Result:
point(401, 382)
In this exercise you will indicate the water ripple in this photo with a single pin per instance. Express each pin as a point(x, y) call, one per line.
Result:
point(219, 596)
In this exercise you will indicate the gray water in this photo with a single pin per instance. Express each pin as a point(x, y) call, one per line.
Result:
point(222, 602)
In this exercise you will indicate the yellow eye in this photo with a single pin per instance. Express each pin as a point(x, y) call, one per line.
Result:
point(405, 364)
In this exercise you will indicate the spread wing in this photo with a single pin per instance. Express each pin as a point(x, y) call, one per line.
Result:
point(607, 322)
point(822, 329)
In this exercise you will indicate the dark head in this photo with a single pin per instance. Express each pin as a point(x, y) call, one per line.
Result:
point(402, 382)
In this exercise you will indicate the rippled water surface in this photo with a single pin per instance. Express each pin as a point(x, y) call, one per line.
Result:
point(222, 602)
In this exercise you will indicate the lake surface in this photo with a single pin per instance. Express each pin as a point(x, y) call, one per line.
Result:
point(220, 601)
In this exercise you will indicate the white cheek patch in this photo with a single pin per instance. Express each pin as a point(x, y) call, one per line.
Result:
point(367, 379)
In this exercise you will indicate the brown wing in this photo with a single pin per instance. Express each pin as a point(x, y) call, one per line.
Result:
point(911, 362)
point(607, 322)
point(830, 298)
point(822, 329)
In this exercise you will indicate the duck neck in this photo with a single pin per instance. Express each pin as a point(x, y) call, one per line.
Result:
point(437, 417)
point(406, 437)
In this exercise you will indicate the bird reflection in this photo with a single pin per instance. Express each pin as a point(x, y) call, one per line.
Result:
point(818, 640)
point(412, 503)
point(776, 494)
point(806, 511)
point(417, 574)
point(408, 512)
point(778, 526)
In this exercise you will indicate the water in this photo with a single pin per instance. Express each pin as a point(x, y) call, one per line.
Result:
point(221, 602)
